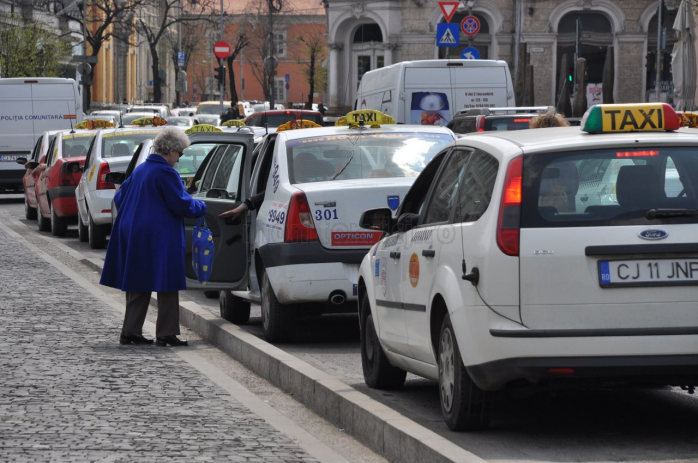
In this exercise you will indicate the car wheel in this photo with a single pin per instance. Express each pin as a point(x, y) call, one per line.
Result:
point(378, 372)
point(278, 320)
point(59, 225)
point(29, 212)
point(234, 309)
point(211, 294)
point(97, 234)
point(83, 234)
point(44, 223)
point(465, 407)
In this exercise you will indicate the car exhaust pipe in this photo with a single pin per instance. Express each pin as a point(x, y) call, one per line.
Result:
point(338, 297)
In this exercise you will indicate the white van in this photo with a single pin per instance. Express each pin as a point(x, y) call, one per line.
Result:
point(430, 92)
point(29, 107)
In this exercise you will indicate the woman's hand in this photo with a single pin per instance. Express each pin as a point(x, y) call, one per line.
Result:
point(234, 213)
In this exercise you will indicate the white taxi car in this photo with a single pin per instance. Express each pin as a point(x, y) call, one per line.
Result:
point(111, 150)
point(299, 252)
point(497, 275)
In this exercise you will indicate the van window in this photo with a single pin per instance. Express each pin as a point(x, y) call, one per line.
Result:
point(609, 187)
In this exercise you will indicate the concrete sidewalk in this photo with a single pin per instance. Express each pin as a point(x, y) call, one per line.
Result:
point(70, 392)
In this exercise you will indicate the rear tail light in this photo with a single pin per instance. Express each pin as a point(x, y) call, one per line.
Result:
point(299, 221)
point(102, 183)
point(509, 222)
point(480, 124)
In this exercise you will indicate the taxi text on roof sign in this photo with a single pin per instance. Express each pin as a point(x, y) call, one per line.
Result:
point(641, 117)
point(369, 117)
point(202, 128)
point(91, 124)
point(155, 121)
point(234, 123)
point(297, 124)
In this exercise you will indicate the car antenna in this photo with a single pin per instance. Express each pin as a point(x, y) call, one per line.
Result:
point(72, 130)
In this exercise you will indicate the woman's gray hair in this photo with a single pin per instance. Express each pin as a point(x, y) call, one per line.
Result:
point(170, 138)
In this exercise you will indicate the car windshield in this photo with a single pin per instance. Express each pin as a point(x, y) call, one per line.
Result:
point(516, 122)
point(368, 155)
point(609, 187)
point(275, 120)
point(180, 121)
point(192, 158)
point(213, 120)
point(210, 109)
point(118, 144)
point(76, 144)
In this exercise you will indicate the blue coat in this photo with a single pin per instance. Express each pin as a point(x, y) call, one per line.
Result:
point(146, 247)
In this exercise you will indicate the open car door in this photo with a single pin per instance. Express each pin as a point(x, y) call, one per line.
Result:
point(223, 162)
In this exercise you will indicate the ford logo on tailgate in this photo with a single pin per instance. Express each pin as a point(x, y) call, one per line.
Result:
point(653, 234)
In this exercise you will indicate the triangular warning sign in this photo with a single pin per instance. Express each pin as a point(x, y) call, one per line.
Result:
point(447, 37)
point(448, 9)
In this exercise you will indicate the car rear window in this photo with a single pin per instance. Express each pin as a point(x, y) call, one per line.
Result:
point(275, 120)
point(210, 109)
point(507, 123)
point(77, 144)
point(369, 155)
point(609, 187)
point(119, 144)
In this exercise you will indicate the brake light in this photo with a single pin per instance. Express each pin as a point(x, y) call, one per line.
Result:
point(299, 221)
point(480, 124)
point(522, 120)
point(509, 223)
point(560, 371)
point(102, 183)
point(636, 154)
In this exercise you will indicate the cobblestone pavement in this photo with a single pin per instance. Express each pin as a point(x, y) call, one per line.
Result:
point(70, 392)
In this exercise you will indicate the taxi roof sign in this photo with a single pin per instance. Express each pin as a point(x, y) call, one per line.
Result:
point(202, 128)
point(639, 117)
point(234, 123)
point(91, 124)
point(369, 117)
point(155, 121)
point(298, 124)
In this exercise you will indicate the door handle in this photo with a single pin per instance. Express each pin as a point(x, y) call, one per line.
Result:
point(395, 254)
point(428, 253)
point(584, 198)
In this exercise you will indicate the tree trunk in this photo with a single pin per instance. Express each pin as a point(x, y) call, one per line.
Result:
point(520, 75)
point(157, 89)
point(579, 103)
point(608, 75)
point(311, 81)
point(231, 81)
point(529, 98)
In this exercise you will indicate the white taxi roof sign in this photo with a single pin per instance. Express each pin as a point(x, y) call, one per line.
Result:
point(202, 128)
point(298, 124)
point(639, 117)
point(369, 117)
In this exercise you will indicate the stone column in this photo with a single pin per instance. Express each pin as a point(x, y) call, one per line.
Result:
point(541, 50)
point(335, 73)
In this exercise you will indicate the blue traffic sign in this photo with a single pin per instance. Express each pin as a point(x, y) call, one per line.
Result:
point(287, 78)
point(470, 53)
point(447, 35)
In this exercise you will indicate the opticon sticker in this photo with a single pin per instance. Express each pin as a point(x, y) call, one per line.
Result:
point(359, 238)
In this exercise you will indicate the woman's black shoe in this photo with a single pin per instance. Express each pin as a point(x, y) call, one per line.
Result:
point(171, 340)
point(130, 338)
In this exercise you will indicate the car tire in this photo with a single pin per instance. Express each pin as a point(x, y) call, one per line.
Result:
point(83, 232)
point(278, 320)
point(234, 309)
point(378, 372)
point(44, 223)
point(29, 212)
point(211, 294)
point(59, 225)
point(96, 234)
point(465, 407)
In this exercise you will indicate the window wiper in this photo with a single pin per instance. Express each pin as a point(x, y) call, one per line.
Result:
point(341, 171)
point(657, 213)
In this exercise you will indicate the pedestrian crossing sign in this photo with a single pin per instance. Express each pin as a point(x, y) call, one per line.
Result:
point(447, 35)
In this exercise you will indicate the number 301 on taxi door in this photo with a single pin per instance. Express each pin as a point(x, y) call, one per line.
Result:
point(327, 214)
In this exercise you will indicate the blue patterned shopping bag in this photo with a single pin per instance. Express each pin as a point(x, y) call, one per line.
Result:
point(202, 251)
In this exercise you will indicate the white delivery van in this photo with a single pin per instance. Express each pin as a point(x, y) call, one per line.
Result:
point(430, 92)
point(30, 106)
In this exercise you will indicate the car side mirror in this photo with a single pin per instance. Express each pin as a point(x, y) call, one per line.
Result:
point(22, 161)
point(407, 222)
point(74, 167)
point(377, 219)
point(217, 193)
point(31, 165)
point(115, 177)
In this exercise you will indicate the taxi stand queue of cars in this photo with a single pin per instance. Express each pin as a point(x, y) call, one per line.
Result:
point(504, 259)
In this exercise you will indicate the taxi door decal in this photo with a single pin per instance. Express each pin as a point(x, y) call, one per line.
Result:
point(414, 270)
point(92, 172)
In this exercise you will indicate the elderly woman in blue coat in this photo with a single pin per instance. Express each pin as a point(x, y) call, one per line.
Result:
point(146, 248)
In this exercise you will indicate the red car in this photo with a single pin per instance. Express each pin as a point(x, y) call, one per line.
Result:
point(55, 188)
point(38, 157)
point(278, 117)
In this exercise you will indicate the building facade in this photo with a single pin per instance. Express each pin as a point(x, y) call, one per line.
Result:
point(365, 35)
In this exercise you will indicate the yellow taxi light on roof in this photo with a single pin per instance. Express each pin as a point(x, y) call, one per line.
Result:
point(298, 124)
point(202, 128)
point(640, 117)
point(369, 117)
point(155, 121)
point(91, 124)
point(688, 119)
point(234, 123)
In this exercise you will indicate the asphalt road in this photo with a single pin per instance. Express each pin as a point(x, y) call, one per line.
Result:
point(595, 425)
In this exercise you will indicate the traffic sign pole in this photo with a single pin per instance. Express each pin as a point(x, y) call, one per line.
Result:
point(221, 50)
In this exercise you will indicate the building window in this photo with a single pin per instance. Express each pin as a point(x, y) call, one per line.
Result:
point(280, 43)
point(279, 89)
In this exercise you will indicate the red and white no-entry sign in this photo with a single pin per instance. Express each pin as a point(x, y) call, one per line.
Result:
point(221, 49)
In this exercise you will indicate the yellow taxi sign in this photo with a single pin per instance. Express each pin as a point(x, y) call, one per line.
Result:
point(298, 124)
point(202, 128)
point(155, 121)
point(234, 123)
point(640, 117)
point(92, 124)
point(688, 119)
point(369, 117)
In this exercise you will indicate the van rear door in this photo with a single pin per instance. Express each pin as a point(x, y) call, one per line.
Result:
point(607, 262)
